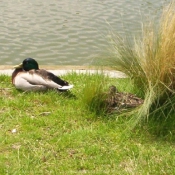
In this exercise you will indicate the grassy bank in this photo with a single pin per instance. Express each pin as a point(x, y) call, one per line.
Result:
point(52, 133)
point(71, 133)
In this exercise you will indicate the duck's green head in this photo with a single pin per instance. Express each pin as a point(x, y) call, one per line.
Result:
point(28, 64)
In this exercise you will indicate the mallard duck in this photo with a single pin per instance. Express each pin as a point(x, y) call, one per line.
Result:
point(28, 77)
point(121, 100)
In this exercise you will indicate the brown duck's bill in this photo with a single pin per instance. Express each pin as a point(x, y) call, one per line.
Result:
point(18, 66)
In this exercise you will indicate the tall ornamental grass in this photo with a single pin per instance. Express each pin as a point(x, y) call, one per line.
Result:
point(150, 63)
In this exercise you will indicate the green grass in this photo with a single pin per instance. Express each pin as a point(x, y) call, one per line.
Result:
point(59, 134)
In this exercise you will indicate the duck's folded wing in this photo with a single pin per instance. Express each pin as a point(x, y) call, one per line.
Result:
point(42, 77)
point(36, 79)
point(22, 83)
point(53, 80)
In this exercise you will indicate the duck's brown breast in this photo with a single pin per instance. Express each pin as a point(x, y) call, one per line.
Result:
point(14, 74)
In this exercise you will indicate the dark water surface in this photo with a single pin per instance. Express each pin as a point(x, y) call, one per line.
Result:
point(67, 32)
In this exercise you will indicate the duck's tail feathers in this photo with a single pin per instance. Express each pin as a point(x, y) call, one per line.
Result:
point(65, 88)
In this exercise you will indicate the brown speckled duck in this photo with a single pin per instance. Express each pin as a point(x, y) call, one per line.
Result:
point(28, 77)
point(118, 101)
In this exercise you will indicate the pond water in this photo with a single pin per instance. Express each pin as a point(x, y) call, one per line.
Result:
point(67, 32)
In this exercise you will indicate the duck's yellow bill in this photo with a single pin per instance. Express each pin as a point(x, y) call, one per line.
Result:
point(18, 66)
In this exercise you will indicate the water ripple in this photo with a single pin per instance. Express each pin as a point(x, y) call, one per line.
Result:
point(67, 32)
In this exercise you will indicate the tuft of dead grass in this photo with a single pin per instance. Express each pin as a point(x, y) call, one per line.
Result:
point(150, 61)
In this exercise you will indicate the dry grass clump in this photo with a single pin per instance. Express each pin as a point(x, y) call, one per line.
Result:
point(150, 62)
